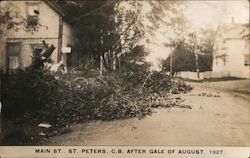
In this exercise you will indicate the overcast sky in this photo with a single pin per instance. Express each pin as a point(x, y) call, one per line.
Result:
point(212, 13)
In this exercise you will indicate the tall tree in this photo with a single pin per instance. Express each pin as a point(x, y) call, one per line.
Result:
point(96, 28)
point(194, 52)
point(108, 29)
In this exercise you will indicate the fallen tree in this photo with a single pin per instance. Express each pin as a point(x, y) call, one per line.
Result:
point(38, 97)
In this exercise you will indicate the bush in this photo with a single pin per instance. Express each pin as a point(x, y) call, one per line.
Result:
point(72, 98)
point(154, 82)
point(158, 82)
point(26, 91)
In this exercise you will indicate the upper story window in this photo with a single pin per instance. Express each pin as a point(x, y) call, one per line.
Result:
point(33, 12)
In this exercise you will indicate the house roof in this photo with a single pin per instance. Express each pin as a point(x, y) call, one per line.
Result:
point(55, 7)
point(234, 31)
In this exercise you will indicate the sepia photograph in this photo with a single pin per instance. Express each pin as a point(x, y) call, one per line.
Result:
point(142, 75)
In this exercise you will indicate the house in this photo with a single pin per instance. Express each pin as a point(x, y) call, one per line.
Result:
point(44, 20)
point(231, 55)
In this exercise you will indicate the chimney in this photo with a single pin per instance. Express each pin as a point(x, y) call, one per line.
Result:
point(232, 20)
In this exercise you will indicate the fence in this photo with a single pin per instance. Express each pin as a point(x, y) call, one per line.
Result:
point(212, 75)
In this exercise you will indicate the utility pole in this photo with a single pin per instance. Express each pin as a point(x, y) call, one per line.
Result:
point(171, 61)
point(172, 48)
point(196, 58)
point(197, 65)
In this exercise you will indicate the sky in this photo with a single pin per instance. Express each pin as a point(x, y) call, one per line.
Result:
point(212, 13)
point(202, 14)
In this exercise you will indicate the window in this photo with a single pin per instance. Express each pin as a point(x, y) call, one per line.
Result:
point(13, 50)
point(32, 16)
point(246, 60)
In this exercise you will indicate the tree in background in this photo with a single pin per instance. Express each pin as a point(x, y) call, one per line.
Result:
point(108, 29)
point(197, 46)
point(135, 60)
point(95, 30)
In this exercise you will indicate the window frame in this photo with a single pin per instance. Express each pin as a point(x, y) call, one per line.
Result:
point(32, 20)
point(8, 54)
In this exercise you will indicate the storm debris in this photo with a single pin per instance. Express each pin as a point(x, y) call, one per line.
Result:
point(43, 125)
point(41, 134)
point(169, 102)
point(79, 96)
point(204, 94)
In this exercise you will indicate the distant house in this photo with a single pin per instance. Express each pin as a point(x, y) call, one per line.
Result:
point(44, 21)
point(231, 55)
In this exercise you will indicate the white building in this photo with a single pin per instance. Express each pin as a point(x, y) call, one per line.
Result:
point(231, 55)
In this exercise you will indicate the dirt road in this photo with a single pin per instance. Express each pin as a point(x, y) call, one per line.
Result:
point(213, 121)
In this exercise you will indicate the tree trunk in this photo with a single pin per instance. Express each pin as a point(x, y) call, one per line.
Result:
point(104, 61)
point(101, 66)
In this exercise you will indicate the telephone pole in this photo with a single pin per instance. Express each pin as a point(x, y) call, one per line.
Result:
point(171, 61)
point(197, 65)
point(196, 57)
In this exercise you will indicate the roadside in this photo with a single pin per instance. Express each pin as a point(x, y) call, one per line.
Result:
point(217, 118)
point(74, 98)
point(237, 87)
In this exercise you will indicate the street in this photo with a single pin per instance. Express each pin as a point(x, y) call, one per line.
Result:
point(220, 119)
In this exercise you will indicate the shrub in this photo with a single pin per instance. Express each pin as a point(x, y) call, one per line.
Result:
point(26, 91)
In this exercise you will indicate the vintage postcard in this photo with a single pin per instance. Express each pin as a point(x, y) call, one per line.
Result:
point(124, 78)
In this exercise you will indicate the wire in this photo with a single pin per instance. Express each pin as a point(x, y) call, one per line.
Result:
point(91, 12)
